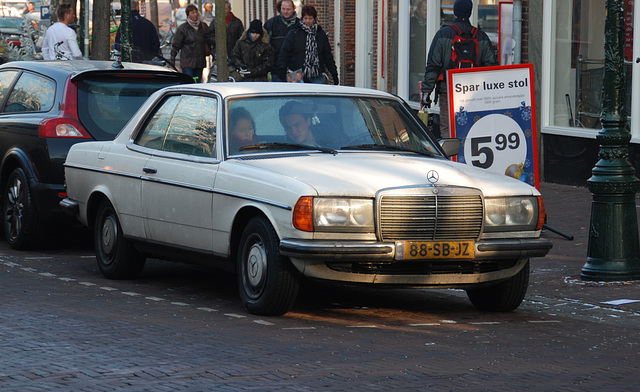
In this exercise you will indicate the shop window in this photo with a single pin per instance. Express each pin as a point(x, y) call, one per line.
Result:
point(417, 48)
point(579, 63)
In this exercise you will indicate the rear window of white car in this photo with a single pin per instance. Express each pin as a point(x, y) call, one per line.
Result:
point(107, 103)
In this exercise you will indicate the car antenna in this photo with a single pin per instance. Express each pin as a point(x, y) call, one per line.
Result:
point(117, 64)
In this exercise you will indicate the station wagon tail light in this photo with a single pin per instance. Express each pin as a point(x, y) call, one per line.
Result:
point(333, 214)
point(517, 213)
point(67, 124)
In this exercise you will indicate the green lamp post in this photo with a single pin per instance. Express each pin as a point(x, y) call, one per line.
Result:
point(614, 251)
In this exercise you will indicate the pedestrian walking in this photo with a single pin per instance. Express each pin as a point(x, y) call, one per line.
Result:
point(235, 29)
point(440, 60)
point(207, 15)
point(190, 42)
point(60, 40)
point(146, 44)
point(307, 48)
point(208, 18)
point(278, 27)
point(253, 53)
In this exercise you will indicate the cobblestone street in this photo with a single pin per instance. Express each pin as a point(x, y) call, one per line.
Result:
point(180, 327)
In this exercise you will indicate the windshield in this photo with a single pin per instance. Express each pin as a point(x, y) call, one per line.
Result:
point(328, 124)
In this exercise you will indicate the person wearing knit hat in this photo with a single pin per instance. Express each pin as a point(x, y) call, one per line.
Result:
point(255, 27)
point(253, 54)
point(439, 60)
point(462, 8)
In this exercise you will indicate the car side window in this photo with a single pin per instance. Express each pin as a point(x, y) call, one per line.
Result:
point(183, 124)
point(32, 93)
point(6, 79)
point(155, 132)
point(193, 127)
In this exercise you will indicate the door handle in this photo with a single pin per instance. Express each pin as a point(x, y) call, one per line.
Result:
point(150, 170)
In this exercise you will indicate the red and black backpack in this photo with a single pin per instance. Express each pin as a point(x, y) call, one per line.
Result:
point(464, 50)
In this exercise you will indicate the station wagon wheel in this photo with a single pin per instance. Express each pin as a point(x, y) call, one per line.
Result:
point(268, 282)
point(504, 296)
point(116, 256)
point(21, 223)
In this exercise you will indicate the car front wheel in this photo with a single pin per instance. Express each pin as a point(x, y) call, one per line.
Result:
point(504, 296)
point(268, 282)
point(22, 225)
point(116, 256)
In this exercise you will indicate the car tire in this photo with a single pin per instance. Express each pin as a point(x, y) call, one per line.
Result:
point(116, 256)
point(267, 281)
point(505, 296)
point(22, 226)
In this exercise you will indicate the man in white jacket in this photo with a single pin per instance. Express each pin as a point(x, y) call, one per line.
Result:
point(60, 41)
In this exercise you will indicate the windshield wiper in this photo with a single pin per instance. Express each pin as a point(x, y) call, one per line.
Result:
point(384, 147)
point(262, 146)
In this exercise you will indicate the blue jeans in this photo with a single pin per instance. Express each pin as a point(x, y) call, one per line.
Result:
point(194, 73)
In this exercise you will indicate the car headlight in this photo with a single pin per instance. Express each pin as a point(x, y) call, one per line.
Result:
point(513, 213)
point(333, 214)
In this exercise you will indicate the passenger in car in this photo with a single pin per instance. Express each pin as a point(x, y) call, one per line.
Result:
point(296, 120)
point(243, 129)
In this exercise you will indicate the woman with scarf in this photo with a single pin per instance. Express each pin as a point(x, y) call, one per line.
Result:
point(190, 41)
point(307, 48)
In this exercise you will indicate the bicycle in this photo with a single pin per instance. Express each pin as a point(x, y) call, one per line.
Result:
point(168, 38)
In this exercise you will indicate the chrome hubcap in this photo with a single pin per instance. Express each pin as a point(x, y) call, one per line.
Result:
point(108, 236)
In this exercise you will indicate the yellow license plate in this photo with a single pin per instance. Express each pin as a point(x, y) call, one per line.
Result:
point(418, 250)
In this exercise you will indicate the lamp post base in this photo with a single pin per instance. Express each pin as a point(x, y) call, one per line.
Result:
point(613, 253)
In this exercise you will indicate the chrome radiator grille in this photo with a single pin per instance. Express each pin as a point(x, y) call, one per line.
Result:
point(430, 218)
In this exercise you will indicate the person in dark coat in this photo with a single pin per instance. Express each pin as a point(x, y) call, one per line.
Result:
point(278, 27)
point(253, 53)
point(190, 41)
point(235, 29)
point(439, 60)
point(146, 44)
point(307, 47)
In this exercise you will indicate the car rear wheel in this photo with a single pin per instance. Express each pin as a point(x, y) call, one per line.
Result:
point(22, 226)
point(268, 282)
point(504, 296)
point(116, 256)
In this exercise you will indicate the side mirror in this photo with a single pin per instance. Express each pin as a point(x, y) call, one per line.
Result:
point(450, 146)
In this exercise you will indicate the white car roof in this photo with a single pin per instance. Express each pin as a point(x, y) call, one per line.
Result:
point(230, 89)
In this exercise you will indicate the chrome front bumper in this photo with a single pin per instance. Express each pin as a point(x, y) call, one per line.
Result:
point(386, 251)
point(317, 259)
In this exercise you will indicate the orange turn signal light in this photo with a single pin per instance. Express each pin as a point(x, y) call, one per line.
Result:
point(303, 214)
point(541, 213)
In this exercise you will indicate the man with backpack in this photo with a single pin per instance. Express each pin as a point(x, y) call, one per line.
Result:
point(459, 45)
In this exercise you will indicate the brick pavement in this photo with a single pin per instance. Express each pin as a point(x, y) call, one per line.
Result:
point(63, 327)
point(558, 274)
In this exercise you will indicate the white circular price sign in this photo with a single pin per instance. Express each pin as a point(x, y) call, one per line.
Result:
point(495, 142)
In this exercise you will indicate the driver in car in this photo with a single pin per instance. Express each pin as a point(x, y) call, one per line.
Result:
point(297, 123)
